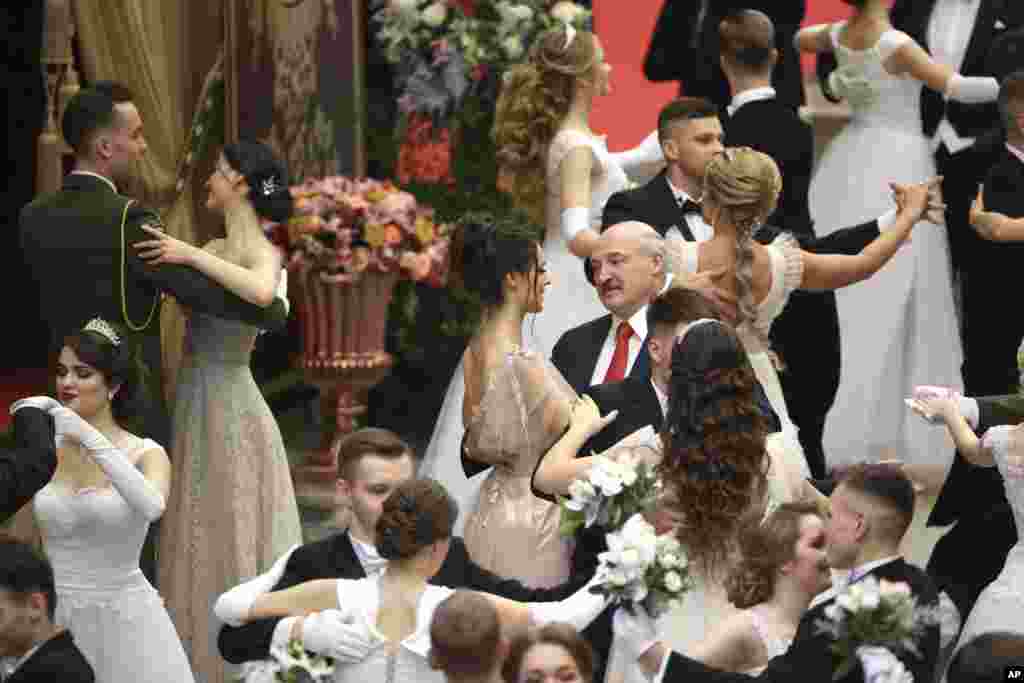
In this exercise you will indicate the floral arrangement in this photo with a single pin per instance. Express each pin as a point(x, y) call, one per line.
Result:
point(642, 568)
point(445, 48)
point(615, 488)
point(291, 665)
point(872, 614)
point(344, 226)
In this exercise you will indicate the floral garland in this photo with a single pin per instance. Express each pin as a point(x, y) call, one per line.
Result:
point(207, 130)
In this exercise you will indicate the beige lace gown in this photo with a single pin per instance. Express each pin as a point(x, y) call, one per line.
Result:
point(232, 507)
point(522, 412)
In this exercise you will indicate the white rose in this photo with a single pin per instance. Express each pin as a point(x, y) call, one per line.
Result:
point(513, 47)
point(566, 12)
point(630, 557)
point(581, 490)
point(669, 560)
point(870, 600)
point(834, 612)
point(617, 579)
point(522, 12)
point(673, 582)
point(435, 14)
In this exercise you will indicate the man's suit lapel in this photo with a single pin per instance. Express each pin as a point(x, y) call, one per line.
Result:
point(981, 35)
point(583, 371)
point(344, 559)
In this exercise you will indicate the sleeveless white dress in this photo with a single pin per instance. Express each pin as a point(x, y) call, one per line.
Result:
point(93, 539)
point(570, 301)
point(1000, 607)
point(898, 329)
point(359, 600)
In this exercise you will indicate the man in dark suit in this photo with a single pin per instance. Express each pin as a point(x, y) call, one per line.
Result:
point(691, 134)
point(371, 463)
point(684, 47)
point(42, 652)
point(28, 465)
point(78, 243)
point(871, 509)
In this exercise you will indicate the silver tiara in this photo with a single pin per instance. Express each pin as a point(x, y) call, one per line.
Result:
point(270, 186)
point(104, 329)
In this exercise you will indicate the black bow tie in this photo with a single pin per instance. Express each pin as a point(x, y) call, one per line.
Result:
point(688, 206)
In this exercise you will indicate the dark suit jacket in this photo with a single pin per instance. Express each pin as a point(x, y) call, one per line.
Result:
point(912, 17)
point(335, 558)
point(28, 466)
point(58, 660)
point(576, 351)
point(675, 53)
point(638, 407)
point(809, 657)
point(81, 261)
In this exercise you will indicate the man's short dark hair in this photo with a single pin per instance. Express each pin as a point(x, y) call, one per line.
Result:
point(1011, 89)
point(92, 110)
point(683, 109)
point(888, 485)
point(748, 37)
point(464, 635)
point(369, 441)
point(986, 658)
point(679, 305)
point(24, 571)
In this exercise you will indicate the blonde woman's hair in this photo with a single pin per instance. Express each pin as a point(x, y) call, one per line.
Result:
point(534, 100)
point(745, 184)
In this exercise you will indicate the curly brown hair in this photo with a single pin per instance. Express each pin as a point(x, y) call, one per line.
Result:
point(714, 466)
point(555, 633)
point(534, 100)
point(765, 544)
point(418, 512)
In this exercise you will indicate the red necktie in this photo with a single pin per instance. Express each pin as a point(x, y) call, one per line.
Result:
point(617, 369)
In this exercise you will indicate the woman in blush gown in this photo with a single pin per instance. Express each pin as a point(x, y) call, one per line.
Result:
point(394, 608)
point(562, 174)
point(902, 330)
point(232, 508)
point(110, 485)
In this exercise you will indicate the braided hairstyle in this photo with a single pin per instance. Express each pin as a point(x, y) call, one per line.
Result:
point(765, 544)
point(534, 100)
point(745, 184)
point(418, 512)
point(714, 466)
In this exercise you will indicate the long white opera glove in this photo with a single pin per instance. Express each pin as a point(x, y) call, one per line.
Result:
point(647, 153)
point(575, 220)
point(968, 406)
point(44, 403)
point(126, 478)
point(636, 632)
point(972, 89)
point(282, 291)
point(334, 634)
point(579, 609)
point(882, 666)
point(233, 607)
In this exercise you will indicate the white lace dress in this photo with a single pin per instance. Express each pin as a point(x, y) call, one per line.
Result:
point(898, 329)
point(407, 662)
point(93, 539)
point(570, 301)
point(1000, 607)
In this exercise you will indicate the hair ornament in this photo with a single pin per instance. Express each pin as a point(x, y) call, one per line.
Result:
point(269, 186)
point(104, 329)
point(570, 35)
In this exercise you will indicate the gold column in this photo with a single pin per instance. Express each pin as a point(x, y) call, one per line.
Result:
point(61, 84)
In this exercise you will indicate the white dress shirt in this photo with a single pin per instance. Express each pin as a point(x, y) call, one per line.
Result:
point(636, 342)
point(24, 658)
point(702, 232)
point(747, 96)
point(949, 32)
point(662, 399)
point(1016, 151)
point(105, 179)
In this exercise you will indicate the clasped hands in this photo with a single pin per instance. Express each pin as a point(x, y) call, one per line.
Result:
point(924, 198)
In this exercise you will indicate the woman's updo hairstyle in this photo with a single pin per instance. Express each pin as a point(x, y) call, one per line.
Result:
point(745, 185)
point(418, 512)
point(714, 465)
point(485, 248)
point(103, 345)
point(765, 544)
point(267, 177)
point(534, 100)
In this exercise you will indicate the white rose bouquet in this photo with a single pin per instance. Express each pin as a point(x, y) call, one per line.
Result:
point(620, 484)
point(291, 665)
point(642, 568)
point(871, 615)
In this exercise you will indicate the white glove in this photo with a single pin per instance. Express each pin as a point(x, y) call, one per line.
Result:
point(972, 89)
point(339, 636)
point(579, 609)
point(635, 632)
point(647, 153)
point(124, 475)
point(968, 406)
point(882, 666)
point(233, 607)
point(282, 291)
point(44, 403)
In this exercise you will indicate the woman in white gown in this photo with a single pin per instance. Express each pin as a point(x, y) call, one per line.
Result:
point(110, 485)
point(741, 188)
point(558, 170)
point(394, 608)
point(901, 331)
point(1000, 607)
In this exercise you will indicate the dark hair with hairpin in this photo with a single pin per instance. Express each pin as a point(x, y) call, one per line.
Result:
point(417, 513)
point(714, 465)
point(267, 178)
